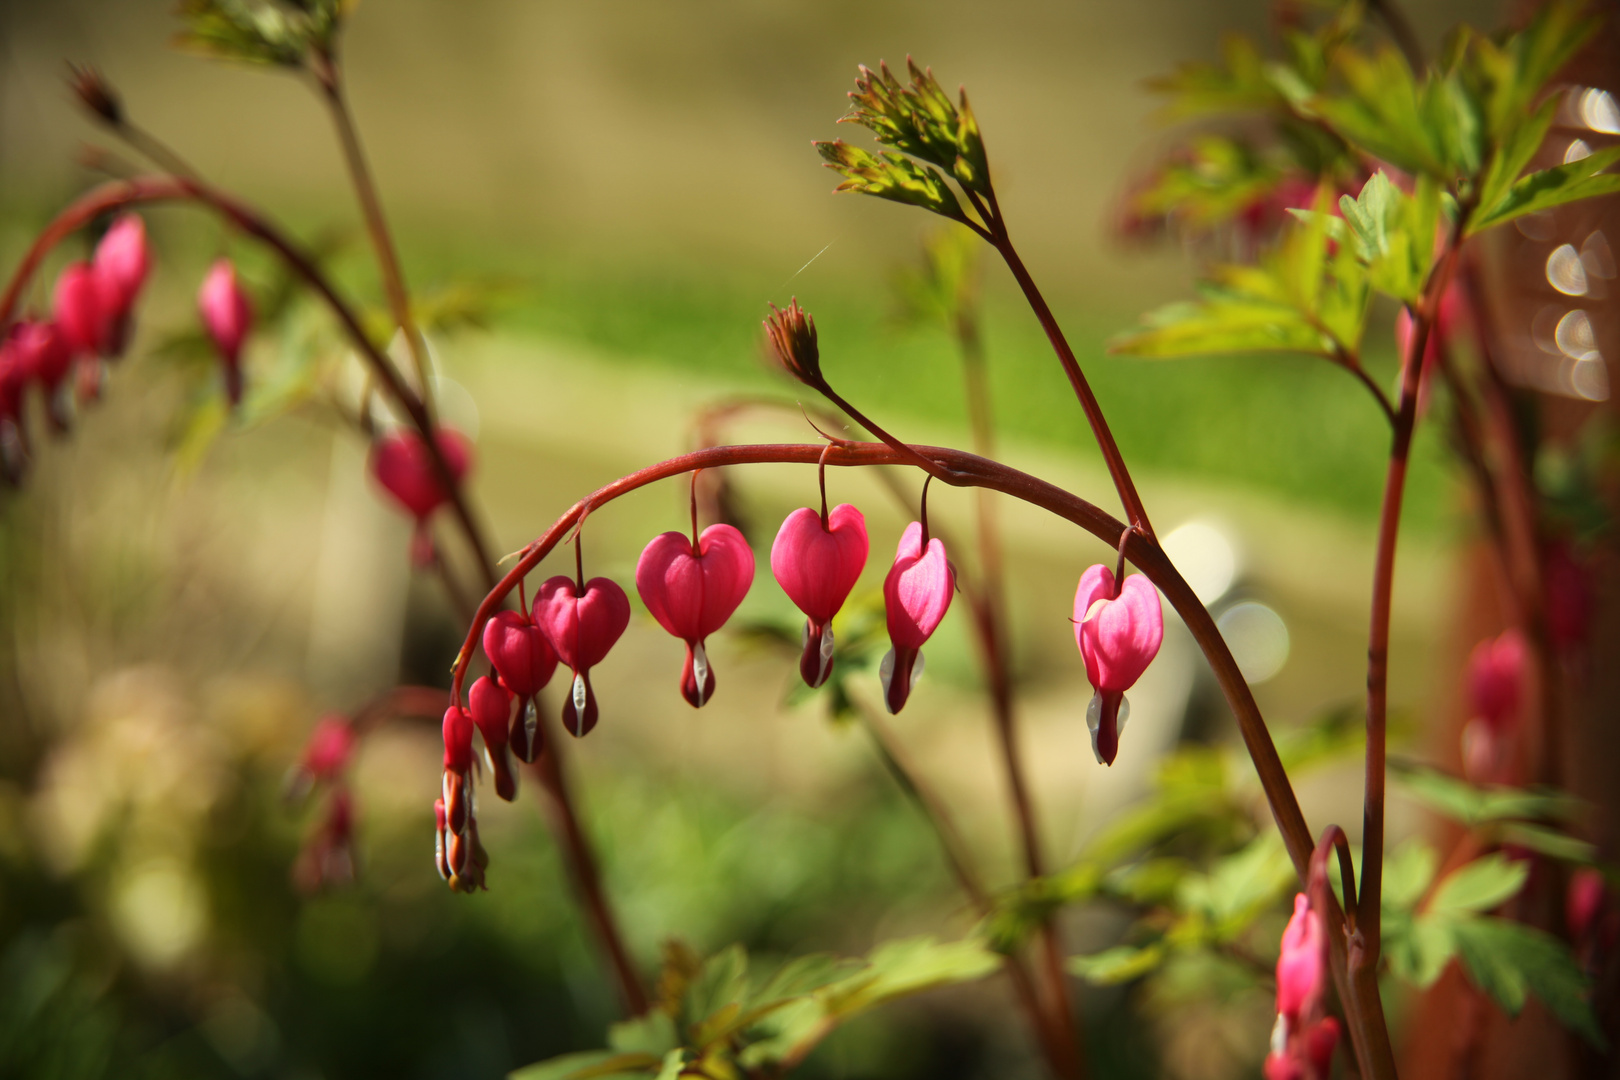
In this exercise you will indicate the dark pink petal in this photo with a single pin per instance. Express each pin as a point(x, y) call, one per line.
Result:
point(122, 262)
point(1302, 961)
point(581, 628)
point(519, 652)
point(227, 314)
point(80, 311)
point(402, 466)
point(458, 733)
point(1119, 638)
point(918, 589)
point(1495, 679)
point(818, 567)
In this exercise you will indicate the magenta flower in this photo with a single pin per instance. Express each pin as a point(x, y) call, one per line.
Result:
point(817, 563)
point(330, 747)
point(121, 264)
point(1119, 631)
point(227, 314)
point(402, 466)
point(490, 705)
point(43, 352)
point(1495, 680)
point(1302, 962)
point(916, 595)
point(582, 625)
point(692, 590)
point(80, 311)
point(524, 661)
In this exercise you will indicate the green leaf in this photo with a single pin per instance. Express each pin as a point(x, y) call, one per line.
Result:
point(1383, 112)
point(718, 989)
point(1483, 884)
point(1120, 964)
point(1239, 887)
point(651, 1033)
point(1583, 179)
point(1470, 805)
point(1514, 151)
point(1223, 323)
point(1418, 949)
point(258, 31)
point(1549, 842)
point(590, 1065)
point(891, 176)
point(1240, 82)
point(901, 968)
point(1519, 68)
point(1407, 873)
point(1508, 960)
point(920, 120)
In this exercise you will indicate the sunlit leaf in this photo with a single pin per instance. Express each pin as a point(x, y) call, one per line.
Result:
point(1120, 964)
point(1583, 179)
point(1549, 842)
point(1482, 885)
point(891, 176)
point(1509, 960)
point(1471, 805)
point(919, 119)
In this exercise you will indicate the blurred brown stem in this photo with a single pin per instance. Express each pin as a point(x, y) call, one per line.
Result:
point(329, 75)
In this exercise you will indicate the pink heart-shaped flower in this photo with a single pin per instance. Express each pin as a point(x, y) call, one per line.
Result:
point(402, 466)
point(692, 594)
point(582, 627)
point(1118, 638)
point(1496, 680)
point(519, 652)
point(817, 566)
point(490, 705)
point(916, 594)
point(80, 310)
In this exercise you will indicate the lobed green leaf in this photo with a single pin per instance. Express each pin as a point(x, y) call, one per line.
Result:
point(1582, 179)
point(1510, 961)
point(891, 176)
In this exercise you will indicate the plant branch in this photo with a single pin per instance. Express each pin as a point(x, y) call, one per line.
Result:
point(329, 76)
point(1134, 510)
point(140, 190)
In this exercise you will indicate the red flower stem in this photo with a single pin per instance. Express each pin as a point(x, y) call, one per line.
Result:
point(147, 189)
point(1362, 1003)
point(1134, 510)
point(961, 469)
point(329, 76)
point(549, 770)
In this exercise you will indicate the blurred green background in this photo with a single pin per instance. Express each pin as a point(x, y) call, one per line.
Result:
point(629, 183)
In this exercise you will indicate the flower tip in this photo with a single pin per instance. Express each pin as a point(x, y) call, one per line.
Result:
point(791, 332)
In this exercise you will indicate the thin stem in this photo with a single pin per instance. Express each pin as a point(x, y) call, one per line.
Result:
point(329, 76)
point(1401, 30)
point(1377, 391)
point(550, 770)
point(1134, 510)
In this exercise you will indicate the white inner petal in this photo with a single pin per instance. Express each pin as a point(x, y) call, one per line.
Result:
point(579, 694)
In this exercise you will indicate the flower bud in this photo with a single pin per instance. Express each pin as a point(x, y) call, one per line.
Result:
point(1118, 633)
point(227, 314)
point(582, 626)
point(692, 591)
point(121, 263)
point(791, 332)
point(490, 705)
point(817, 565)
point(96, 93)
point(916, 594)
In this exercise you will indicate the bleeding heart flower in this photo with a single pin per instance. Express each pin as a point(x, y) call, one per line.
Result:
point(524, 660)
point(817, 564)
point(80, 310)
point(330, 747)
point(1303, 960)
point(1119, 634)
point(582, 626)
point(227, 313)
point(490, 705)
point(1495, 680)
point(121, 264)
point(41, 354)
point(401, 463)
point(916, 594)
point(692, 591)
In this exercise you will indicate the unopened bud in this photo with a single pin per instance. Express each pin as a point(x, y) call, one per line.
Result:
point(96, 93)
point(792, 334)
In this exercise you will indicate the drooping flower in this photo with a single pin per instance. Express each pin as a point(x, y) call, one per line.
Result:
point(1302, 962)
point(121, 263)
point(692, 589)
point(1119, 632)
point(916, 594)
point(524, 660)
point(1495, 680)
point(458, 831)
point(1303, 1040)
point(227, 314)
point(401, 464)
point(817, 564)
point(582, 625)
point(490, 705)
point(330, 747)
point(80, 311)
